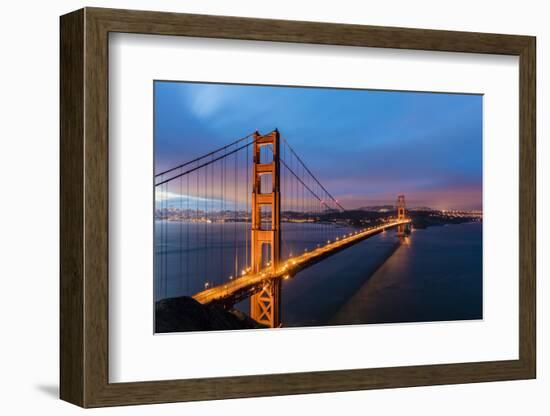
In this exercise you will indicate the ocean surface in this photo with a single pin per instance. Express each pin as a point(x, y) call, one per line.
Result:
point(435, 274)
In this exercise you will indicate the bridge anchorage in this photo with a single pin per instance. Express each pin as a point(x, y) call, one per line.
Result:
point(219, 201)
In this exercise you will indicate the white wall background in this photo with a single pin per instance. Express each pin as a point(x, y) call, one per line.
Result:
point(29, 85)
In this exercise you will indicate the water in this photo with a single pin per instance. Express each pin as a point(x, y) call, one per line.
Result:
point(191, 255)
point(433, 275)
point(315, 294)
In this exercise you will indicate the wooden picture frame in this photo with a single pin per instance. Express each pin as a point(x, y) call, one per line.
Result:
point(84, 207)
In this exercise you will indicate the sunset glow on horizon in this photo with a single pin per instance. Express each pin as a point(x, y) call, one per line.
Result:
point(365, 146)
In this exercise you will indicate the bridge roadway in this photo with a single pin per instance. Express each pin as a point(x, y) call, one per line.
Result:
point(247, 284)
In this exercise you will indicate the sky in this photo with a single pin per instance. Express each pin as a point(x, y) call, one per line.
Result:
point(365, 146)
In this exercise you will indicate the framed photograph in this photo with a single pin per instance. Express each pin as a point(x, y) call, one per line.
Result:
point(256, 207)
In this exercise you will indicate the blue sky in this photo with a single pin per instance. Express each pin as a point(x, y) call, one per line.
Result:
point(365, 146)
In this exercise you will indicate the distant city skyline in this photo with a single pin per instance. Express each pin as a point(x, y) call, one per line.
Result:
point(365, 146)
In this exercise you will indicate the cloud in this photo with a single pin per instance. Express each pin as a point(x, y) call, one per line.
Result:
point(172, 197)
point(459, 197)
point(165, 196)
point(362, 145)
point(205, 101)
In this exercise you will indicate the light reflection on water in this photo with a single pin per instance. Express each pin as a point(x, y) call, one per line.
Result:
point(438, 277)
point(433, 275)
point(190, 255)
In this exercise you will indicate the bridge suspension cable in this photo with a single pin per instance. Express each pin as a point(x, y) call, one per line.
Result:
point(212, 160)
point(203, 216)
point(213, 152)
point(306, 186)
point(312, 175)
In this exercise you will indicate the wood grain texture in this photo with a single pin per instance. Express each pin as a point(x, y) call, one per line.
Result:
point(84, 206)
point(96, 221)
point(71, 208)
point(162, 23)
point(527, 207)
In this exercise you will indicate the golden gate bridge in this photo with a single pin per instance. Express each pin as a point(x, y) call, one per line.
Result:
point(232, 234)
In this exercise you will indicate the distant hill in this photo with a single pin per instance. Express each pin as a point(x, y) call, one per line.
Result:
point(378, 208)
point(421, 209)
point(385, 208)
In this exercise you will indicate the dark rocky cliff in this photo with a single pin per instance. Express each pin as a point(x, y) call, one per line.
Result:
point(184, 314)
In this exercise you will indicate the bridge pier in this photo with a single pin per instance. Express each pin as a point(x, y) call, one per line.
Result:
point(265, 306)
point(401, 229)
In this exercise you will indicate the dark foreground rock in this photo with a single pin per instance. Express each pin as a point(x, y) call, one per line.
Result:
point(186, 314)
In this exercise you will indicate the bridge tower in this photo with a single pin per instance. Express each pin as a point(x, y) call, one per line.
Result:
point(401, 214)
point(266, 228)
